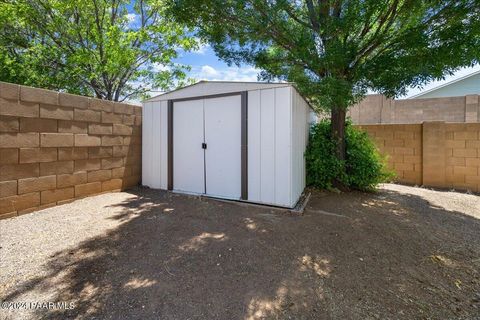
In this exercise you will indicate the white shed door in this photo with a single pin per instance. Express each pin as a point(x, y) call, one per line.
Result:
point(188, 155)
point(223, 153)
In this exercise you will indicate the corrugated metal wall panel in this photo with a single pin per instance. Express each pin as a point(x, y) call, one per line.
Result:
point(283, 146)
point(147, 134)
point(301, 127)
point(155, 145)
point(254, 153)
point(267, 146)
point(163, 145)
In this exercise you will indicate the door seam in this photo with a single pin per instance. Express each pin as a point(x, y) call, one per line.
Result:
point(204, 152)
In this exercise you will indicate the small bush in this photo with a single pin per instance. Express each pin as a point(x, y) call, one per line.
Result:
point(364, 167)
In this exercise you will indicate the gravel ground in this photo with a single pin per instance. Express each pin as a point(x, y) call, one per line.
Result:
point(400, 253)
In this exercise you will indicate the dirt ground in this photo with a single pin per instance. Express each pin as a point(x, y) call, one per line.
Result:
point(401, 253)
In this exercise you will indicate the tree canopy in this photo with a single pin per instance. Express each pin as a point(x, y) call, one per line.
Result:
point(110, 49)
point(337, 50)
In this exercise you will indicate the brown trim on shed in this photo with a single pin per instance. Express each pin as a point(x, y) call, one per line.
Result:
point(170, 145)
point(211, 96)
point(244, 145)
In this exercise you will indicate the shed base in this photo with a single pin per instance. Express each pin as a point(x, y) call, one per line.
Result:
point(297, 209)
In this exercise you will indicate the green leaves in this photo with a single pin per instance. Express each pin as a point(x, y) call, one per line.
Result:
point(110, 49)
point(323, 168)
point(337, 50)
point(364, 167)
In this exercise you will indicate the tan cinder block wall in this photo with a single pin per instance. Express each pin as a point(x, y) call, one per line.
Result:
point(56, 147)
point(436, 154)
point(462, 156)
point(402, 144)
point(376, 109)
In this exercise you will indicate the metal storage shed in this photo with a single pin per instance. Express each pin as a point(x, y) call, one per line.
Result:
point(233, 140)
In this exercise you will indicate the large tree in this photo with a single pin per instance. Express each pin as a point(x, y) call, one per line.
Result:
point(110, 49)
point(336, 50)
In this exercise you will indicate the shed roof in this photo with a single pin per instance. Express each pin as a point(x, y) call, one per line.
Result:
point(203, 88)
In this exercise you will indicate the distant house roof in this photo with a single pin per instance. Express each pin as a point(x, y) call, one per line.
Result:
point(469, 84)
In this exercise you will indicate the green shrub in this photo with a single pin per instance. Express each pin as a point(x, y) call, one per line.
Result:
point(364, 167)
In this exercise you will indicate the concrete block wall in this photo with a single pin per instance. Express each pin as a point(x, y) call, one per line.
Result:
point(435, 154)
point(462, 155)
point(402, 144)
point(57, 147)
point(376, 109)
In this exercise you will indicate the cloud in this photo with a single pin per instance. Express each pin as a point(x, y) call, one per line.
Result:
point(202, 49)
point(133, 19)
point(207, 72)
point(157, 67)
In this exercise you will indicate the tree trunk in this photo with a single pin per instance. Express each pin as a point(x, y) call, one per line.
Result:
point(338, 135)
point(338, 131)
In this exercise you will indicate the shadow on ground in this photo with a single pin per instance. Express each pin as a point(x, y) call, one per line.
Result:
point(353, 256)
